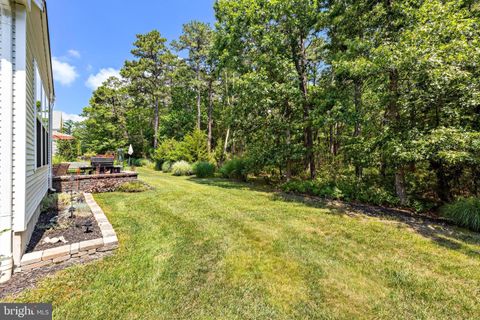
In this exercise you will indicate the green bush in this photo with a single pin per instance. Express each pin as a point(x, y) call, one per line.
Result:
point(464, 212)
point(235, 169)
point(342, 190)
point(192, 148)
point(181, 168)
point(168, 150)
point(58, 159)
point(133, 186)
point(49, 202)
point(203, 169)
point(147, 163)
point(166, 167)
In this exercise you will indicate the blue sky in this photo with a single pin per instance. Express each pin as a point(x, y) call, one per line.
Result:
point(91, 39)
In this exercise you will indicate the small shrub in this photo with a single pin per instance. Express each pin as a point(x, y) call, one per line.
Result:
point(235, 169)
point(147, 163)
point(64, 199)
point(136, 162)
point(342, 191)
point(203, 169)
point(58, 159)
point(166, 166)
point(464, 212)
point(49, 202)
point(133, 186)
point(181, 168)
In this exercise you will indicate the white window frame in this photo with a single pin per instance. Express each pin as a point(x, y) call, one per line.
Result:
point(40, 96)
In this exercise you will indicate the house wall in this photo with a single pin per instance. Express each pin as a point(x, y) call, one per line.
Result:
point(23, 39)
point(36, 178)
point(30, 184)
point(6, 96)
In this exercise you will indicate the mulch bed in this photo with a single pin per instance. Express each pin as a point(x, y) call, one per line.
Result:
point(72, 229)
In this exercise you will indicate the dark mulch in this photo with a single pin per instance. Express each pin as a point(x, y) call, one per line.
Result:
point(27, 280)
point(74, 232)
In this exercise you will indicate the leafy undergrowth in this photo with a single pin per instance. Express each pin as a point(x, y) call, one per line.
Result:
point(216, 249)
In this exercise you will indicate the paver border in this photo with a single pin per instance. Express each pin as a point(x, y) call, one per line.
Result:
point(108, 242)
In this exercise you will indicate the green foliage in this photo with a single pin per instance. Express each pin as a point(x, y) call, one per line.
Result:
point(167, 166)
point(181, 168)
point(464, 212)
point(309, 89)
point(194, 146)
point(203, 169)
point(235, 169)
point(342, 190)
point(49, 202)
point(133, 186)
point(57, 159)
point(191, 149)
point(67, 150)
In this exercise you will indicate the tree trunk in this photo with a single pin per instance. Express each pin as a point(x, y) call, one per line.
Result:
point(288, 172)
point(226, 141)
point(300, 60)
point(358, 111)
point(393, 117)
point(400, 186)
point(199, 97)
point(155, 125)
point(210, 115)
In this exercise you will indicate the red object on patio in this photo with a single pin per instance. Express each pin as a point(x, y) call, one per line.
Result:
point(62, 136)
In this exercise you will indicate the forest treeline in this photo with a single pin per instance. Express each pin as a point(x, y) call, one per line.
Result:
point(377, 101)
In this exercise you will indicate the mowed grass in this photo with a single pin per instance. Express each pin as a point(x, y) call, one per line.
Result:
point(215, 249)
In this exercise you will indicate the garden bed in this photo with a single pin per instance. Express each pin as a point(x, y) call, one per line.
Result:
point(56, 223)
point(75, 242)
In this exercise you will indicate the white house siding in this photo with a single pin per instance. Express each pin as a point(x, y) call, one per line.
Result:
point(36, 178)
point(19, 118)
point(6, 74)
point(30, 184)
point(23, 40)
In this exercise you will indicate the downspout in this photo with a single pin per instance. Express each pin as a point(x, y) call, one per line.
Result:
point(50, 149)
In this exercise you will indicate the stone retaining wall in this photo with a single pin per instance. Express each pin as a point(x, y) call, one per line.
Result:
point(92, 183)
point(107, 242)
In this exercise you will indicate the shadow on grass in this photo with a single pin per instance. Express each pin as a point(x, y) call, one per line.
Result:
point(440, 231)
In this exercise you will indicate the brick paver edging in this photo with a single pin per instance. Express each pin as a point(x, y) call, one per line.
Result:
point(107, 242)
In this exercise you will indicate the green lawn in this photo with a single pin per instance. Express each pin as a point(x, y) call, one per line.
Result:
point(213, 249)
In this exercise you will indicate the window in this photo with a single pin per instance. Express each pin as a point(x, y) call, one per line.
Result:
point(41, 107)
point(39, 143)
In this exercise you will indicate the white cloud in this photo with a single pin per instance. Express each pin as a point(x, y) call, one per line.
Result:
point(73, 117)
point(95, 80)
point(63, 72)
point(74, 53)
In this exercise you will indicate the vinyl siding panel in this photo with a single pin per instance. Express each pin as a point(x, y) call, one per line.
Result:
point(36, 178)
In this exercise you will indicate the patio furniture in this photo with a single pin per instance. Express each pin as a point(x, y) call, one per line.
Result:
point(100, 164)
point(60, 169)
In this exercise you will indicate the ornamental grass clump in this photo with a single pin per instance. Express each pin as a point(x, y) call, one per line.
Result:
point(235, 169)
point(203, 169)
point(166, 167)
point(181, 168)
point(464, 212)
